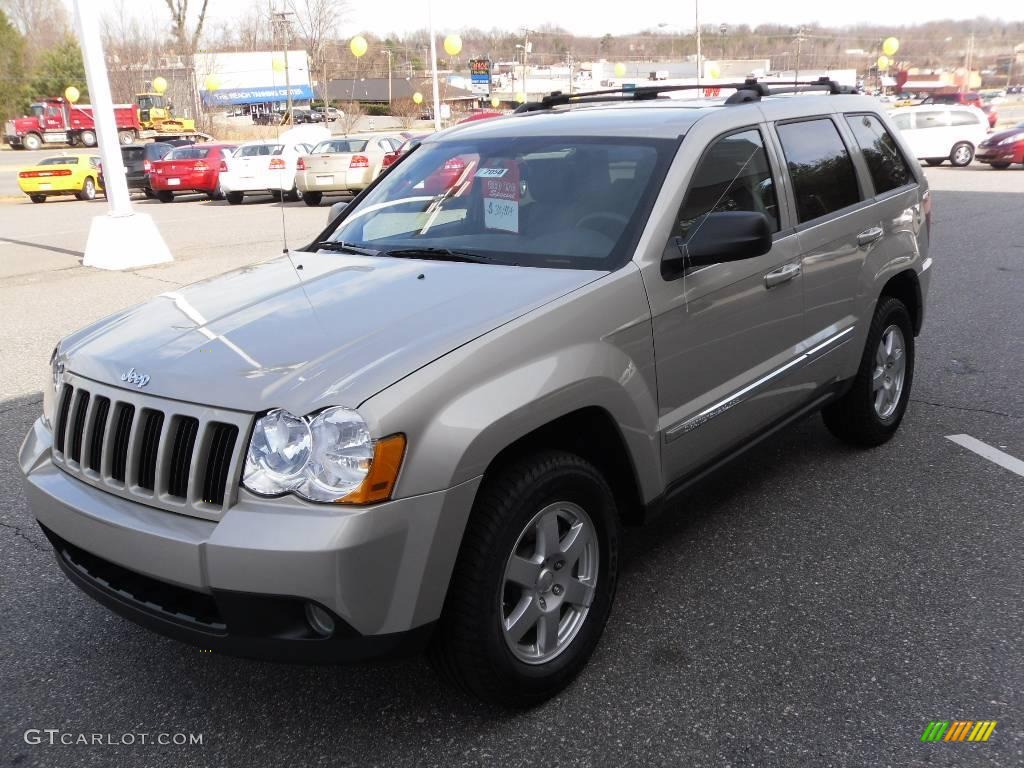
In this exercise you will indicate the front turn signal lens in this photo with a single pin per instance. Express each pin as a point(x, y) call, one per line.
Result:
point(379, 482)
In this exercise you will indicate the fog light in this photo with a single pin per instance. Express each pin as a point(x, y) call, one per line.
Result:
point(320, 620)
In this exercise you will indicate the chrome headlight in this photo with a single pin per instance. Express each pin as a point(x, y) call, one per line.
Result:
point(1012, 139)
point(327, 456)
point(51, 387)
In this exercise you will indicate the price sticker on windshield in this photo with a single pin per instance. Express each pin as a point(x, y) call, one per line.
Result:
point(501, 197)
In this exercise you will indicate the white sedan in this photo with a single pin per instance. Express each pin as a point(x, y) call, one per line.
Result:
point(262, 167)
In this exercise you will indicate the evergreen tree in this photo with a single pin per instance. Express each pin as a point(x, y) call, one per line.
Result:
point(13, 97)
point(58, 68)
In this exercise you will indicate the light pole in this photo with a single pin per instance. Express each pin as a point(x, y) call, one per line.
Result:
point(281, 17)
point(696, 18)
point(387, 51)
point(671, 40)
point(433, 67)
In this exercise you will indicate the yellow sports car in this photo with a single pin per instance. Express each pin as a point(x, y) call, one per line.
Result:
point(77, 175)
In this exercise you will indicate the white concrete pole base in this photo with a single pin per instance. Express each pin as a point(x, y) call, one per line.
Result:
point(125, 242)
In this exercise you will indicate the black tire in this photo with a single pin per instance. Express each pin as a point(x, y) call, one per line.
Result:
point(215, 194)
point(962, 154)
point(37, 198)
point(1000, 166)
point(126, 136)
point(312, 198)
point(853, 417)
point(88, 189)
point(165, 196)
point(234, 198)
point(293, 195)
point(88, 138)
point(32, 141)
point(469, 647)
point(935, 160)
point(276, 195)
point(149, 193)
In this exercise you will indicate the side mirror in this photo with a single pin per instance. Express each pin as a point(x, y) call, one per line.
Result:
point(718, 237)
point(336, 210)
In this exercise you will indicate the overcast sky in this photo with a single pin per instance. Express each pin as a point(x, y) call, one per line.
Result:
point(596, 17)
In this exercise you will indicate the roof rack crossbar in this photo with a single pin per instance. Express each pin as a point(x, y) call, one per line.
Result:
point(748, 90)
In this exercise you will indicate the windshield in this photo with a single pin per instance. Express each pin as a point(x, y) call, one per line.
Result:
point(340, 145)
point(564, 202)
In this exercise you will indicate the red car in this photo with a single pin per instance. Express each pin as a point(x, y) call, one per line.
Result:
point(969, 99)
point(410, 139)
point(190, 169)
point(1001, 150)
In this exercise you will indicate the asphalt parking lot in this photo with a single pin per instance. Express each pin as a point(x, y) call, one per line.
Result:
point(812, 605)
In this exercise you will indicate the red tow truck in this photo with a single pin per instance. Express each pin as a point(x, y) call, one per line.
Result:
point(57, 121)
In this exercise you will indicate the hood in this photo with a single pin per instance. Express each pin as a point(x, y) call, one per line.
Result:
point(995, 138)
point(263, 337)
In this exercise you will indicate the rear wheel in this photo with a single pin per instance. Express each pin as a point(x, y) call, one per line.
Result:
point(88, 138)
point(534, 581)
point(149, 193)
point(312, 198)
point(1000, 166)
point(962, 154)
point(37, 198)
point(32, 141)
point(234, 198)
point(125, 137)
point(165, 196)
point(88, 189)
point(935, 160)
point(293, 195)
point(871, 411)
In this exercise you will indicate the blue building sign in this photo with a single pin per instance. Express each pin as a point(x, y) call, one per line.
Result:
point(257, 95)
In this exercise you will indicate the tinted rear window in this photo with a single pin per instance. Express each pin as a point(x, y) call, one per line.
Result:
point(340, 145)
point(189, 153)
point(824, 179)
point(965, 117)
point(59, 161)
point(257, 150)
point(133, 154)
point(886, 163)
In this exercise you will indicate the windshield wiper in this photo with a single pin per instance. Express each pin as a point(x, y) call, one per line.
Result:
point(336, 245)
point(436, 254)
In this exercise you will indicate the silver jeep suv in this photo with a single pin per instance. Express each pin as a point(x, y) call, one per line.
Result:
point(426, 428)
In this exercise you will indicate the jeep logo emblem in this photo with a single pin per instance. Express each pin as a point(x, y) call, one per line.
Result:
point(138, 379)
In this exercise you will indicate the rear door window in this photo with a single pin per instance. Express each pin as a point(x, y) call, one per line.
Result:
point(258, 150)
point(932, 119)
point(902, 121)
point(733, 175)
point(886, 164)
point(822, 173)
point(964, 117)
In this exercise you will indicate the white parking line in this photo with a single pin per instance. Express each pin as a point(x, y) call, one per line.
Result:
point(1004, 460)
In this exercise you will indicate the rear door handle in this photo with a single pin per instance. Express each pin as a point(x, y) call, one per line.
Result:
point(783, 274)
point(869, 236)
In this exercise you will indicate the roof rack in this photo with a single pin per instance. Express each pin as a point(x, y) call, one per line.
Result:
point(747, 91)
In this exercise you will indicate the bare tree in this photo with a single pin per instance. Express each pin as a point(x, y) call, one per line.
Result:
point(187, 43)
point(318, 22)
point(43, 22)
point(407, 111)
point(353, 111)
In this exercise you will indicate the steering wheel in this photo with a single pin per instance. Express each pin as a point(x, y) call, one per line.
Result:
point(607, 216)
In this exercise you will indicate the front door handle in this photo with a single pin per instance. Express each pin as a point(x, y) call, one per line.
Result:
point(781, 275)
point(869, 236)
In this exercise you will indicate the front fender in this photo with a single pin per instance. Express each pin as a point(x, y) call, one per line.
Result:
point(591, 348)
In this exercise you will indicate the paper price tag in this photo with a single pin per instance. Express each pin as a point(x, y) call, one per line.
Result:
point(501, 198)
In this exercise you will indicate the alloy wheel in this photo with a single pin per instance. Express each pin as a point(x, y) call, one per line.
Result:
point(890, 371)
point(549, 582)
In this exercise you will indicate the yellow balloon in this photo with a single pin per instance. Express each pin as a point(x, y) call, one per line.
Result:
point(358, 45)
point(159, 85)
point(890, 46)
point(620, 69)
point(883, 62)
point(417, 97)
point(71, 94)
point(212, 83)
point(521, 97)
point(495, 102)
point(277, 64)
point(714, 73)
point(452, 45)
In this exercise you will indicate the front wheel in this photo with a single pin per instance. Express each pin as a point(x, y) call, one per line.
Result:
point(871, 411)
point(534, 581)
point(88, 138)
point(32, 142)
point(293, 195)
point(125, 137)
point(234, 198)
point(88, 189)
point(962, 154)
point(312, 198)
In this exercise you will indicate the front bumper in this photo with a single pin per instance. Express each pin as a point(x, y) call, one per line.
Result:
point(997, 154)
point(242, 584)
